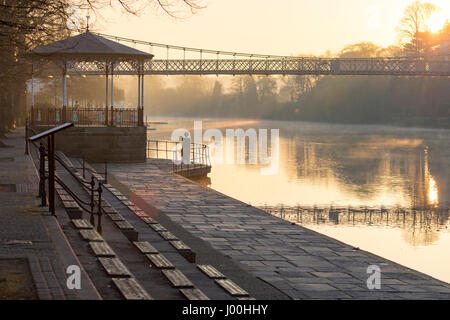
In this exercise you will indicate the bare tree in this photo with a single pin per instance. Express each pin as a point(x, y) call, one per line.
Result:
point(26, 24)
point(412, 27)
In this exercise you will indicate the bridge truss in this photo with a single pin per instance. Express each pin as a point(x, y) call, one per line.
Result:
point(256, 64)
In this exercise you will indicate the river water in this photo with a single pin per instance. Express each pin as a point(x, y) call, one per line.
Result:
point(349, 166)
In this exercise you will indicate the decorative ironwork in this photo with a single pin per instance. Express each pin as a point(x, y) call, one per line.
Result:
point(119, 117)
point(299, 66)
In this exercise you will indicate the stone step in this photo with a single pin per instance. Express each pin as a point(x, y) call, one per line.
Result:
point(194, 294)
point(121, 197)
point(177, 278)
point(145, 247)
point(210, 271)
point(114, 267)
point(231, 287)
point(160, 262)
point(246, 298)
point(82, 224)
point(168, 235)
point(131, 289)
point(91, 235)
point(127, 203)
point(101, 249)
point(157, 227)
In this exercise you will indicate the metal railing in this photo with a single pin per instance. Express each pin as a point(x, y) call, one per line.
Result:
point(173, 150)
point(119, 117)
point(94, 186)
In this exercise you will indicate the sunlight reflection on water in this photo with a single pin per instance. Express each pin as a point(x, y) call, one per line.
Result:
point(353, 166)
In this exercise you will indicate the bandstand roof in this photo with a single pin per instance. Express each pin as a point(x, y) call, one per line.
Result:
point(89, 46)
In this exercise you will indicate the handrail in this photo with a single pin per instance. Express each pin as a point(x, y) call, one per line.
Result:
point(199, 154)
point(89, 185)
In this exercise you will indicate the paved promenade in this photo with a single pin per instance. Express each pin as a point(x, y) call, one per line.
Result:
point(299, 263)
point(34, 252)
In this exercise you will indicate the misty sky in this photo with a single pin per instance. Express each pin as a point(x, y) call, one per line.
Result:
point(281, 27)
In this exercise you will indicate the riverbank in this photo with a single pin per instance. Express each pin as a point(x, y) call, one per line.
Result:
point(300, 263)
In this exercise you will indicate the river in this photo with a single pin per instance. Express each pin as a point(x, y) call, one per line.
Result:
point(350, 166)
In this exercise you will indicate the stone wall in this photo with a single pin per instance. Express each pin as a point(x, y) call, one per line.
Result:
point(99, 144)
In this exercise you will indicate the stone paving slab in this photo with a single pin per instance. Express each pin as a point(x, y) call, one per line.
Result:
point(27, 231)
point(299, 262)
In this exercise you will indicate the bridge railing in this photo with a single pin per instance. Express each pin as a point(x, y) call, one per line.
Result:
point(317, 66)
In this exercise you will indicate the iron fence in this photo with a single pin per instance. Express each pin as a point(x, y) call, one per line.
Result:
point(119, 117)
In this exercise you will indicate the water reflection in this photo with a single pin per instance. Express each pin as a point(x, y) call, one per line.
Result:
point(383, 189)
point(420, 226)
point(323, 164)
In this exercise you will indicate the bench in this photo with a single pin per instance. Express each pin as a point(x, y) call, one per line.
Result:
point(210, 271)
point(159, 261)
point(194, 294)
point(177, 279)
point(101, 249)
point(130, 289)
point(145, 247)
point(82, 224)
point(232, 288)
point(114, 267)
point(91, 235)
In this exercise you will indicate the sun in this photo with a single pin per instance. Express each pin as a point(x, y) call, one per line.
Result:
point(436, 21)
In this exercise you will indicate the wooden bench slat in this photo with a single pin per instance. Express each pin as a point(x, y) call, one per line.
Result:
point(168, 235)
point(177, 278)
point(157, 227)
point(232, 288)
point(148, 220)
point(109, 210)
point(114, 267)
point(65, 197)
point(180, 245)
point(91, 235)
point(145, 247)
point(82, 224)
point(160, 262)
point(210, 271)
point(194, 294)
point(116, 217)
point(102, 249)
point(131, 289)
point(124, 225)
